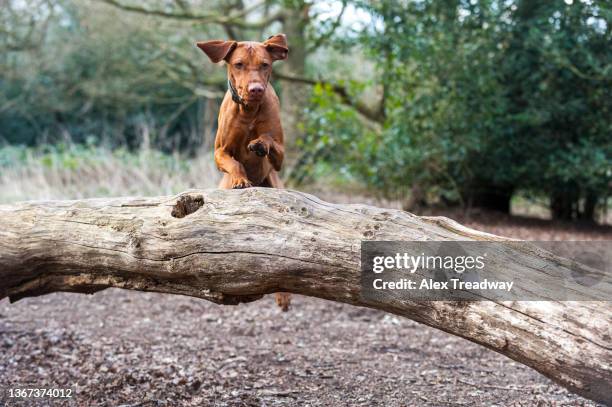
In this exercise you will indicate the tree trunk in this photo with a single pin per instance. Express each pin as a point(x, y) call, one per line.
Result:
point(563, 204)
point(231, 246)
point(489, 197)
point(294, 96)
point(590, 204)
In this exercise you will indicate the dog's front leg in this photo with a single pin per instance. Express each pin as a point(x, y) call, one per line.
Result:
point(226, 163)
point(265, 145)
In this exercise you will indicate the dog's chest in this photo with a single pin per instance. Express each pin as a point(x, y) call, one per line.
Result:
point(257, 168)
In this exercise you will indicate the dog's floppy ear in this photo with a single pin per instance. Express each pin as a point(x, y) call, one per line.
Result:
point(277, 46)
point(217, 50)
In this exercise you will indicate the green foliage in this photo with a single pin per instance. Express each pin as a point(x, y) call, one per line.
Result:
point(86, 71)
point(470, 101)
point(481, 97)
point(559, 102)
point(349, 138)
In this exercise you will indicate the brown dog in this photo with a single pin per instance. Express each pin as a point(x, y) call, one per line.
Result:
point(249, 143)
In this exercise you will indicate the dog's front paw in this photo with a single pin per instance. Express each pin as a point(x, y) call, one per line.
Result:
point(258, 147)
point(239, 183)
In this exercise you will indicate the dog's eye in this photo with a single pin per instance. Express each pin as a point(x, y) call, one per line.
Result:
point(265, 65)
point(239, 65)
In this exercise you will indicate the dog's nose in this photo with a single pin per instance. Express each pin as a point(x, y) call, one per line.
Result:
point(256, 90)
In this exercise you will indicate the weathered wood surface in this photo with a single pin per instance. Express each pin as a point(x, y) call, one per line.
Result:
point(237, 245)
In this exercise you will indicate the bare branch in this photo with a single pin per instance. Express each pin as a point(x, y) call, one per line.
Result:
point(326, 36)
point(205, 18)
point(375, 114)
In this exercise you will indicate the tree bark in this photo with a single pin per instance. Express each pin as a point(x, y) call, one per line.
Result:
point(294, 97)
point(231, 246)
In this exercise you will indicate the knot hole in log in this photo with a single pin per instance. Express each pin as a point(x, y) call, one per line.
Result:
point(186, 205)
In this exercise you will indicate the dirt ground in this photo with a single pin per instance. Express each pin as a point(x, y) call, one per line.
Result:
point(121, 348)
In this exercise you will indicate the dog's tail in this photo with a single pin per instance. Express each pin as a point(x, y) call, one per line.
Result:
point(283, 300)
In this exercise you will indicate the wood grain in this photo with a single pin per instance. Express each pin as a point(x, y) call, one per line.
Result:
point(232, 246)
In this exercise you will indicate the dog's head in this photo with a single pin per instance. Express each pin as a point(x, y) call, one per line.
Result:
point(249, 64)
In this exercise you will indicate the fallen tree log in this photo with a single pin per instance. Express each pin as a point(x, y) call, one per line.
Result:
point(235, 246)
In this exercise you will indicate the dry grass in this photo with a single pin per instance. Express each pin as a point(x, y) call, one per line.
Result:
point(75, 173)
